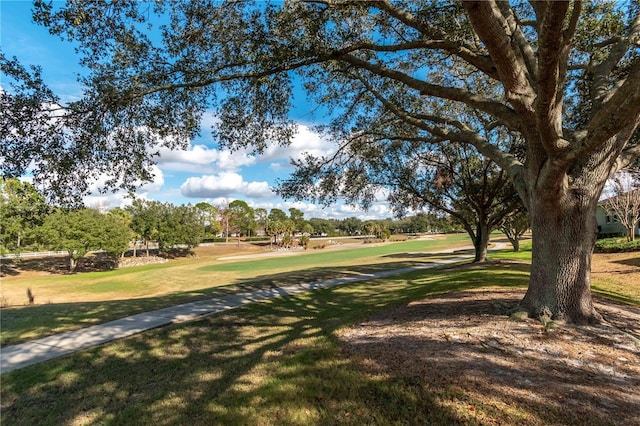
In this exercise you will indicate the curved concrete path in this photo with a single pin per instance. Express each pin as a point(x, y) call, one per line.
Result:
point(46, 348)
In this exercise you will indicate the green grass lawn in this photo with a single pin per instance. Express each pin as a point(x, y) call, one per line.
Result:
point(603, 286)
point(277, 362)
point(103, 296)
point(368, 253)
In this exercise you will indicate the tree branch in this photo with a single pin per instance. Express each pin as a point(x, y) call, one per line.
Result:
point(496, 109)
point(491, 26)
point(549, 99)
point(525, 49)
point(439, 39)
point(600, 90)
point(626, 157)
point(622, 108)
point(505, 160)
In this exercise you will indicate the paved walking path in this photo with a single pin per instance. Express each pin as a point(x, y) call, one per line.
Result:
point(46, 348)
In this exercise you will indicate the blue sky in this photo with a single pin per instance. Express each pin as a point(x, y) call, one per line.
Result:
point(203, 172)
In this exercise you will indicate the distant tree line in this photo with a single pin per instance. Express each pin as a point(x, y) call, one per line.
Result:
point(29, 223)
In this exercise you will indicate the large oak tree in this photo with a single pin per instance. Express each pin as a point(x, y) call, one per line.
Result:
point(568, 73)
point(452, 179)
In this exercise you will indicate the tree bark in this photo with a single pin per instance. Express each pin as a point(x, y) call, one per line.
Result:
point(481, 243)
point(73, 264)
point(564, 238)
point(480, 238)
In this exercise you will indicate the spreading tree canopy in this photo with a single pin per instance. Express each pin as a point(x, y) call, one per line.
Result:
point(81, 231)
point(22, 210)
point(567, 74)
point(241, 218)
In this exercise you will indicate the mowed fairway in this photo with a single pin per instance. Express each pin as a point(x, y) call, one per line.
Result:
point(67, 302)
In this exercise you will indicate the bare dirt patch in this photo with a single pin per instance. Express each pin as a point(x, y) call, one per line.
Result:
point(467, 341)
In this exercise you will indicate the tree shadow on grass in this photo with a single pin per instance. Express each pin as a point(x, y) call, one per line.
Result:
point(276, 362)
point(91, 263)
point(56, 265)
point(630, 262)
point(29, 322)
point(286, 361)
point(423, 255)
point(52, 265)
point(465, 339)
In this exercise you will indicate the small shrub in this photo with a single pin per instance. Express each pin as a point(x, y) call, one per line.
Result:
point(217, 240)
point(616, 245)
point(373, 240)
point(304, 241)
point(257, 239)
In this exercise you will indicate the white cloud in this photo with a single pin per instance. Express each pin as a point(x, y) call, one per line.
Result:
point(153, 186)
point(156, 184)
point(121, 198)
point(209, 119)
point(276, 166)
point(379, 210)
point(305, 141)
point(198, 158)
point(197, 154)
point(202, 159)
point(228, 160)
point(105, 202)
point(258, 190)
point(220, 201)
point(212, 185)
point(224, 184)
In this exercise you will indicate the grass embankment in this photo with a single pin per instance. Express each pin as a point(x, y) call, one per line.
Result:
point(277, 362)
point(68, 302)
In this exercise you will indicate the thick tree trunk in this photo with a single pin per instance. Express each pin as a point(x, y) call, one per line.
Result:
point(480, 238)
point(564, 235)
point(515, 242)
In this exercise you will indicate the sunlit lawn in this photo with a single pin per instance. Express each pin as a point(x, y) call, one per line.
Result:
point(277, 362)
point(607, 285)
point(68, 302)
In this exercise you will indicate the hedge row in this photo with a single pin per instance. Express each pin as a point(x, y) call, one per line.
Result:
point(235, 239)
point(616, 245)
